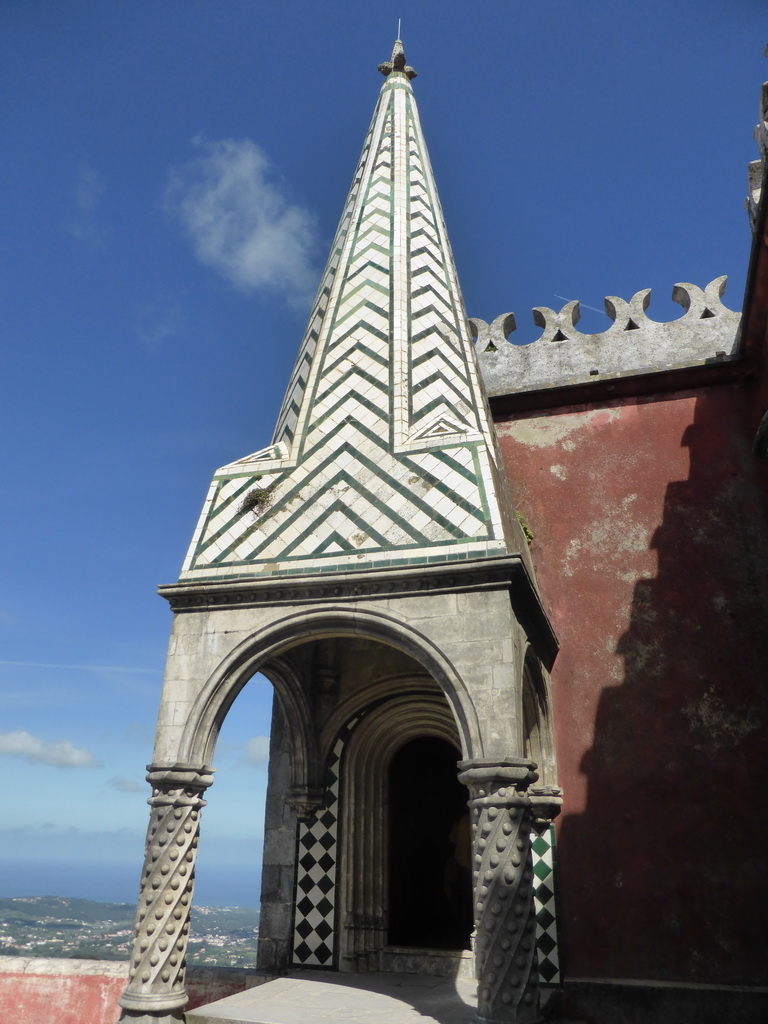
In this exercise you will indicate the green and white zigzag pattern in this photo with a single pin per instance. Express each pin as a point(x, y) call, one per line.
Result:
point(439, 383)
point(286, 421)
point(383, 450)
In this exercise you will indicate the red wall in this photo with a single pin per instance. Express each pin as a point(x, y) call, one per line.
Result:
point(60, 999)
point(40, 991)
point(650, 523)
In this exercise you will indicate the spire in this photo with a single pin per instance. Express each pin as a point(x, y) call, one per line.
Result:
point(397, 62)
point(383, 454)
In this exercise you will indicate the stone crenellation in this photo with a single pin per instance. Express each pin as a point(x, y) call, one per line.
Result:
point(633, 344)
point(757, 169)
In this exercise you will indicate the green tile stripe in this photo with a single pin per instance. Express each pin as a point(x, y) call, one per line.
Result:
point(343, 400)
point(369, 328)
point(441, 486)
point(361, 347)
point(443, 455)
point(363, 527)
point(459, 551)
point(438, 375)
point(298, 565)
point(350, 374)
point(370, 265)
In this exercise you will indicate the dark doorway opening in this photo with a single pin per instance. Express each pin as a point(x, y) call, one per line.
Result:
point(430, 878)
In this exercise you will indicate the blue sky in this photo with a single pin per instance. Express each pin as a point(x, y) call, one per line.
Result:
point(171, 177)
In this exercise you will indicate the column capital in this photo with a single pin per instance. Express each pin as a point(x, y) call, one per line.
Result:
point(166, 777)
point(546, 803)
point(505, 781)
point(305, 800)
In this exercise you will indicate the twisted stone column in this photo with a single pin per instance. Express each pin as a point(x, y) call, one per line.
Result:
point(505, 925)
point(155, 993)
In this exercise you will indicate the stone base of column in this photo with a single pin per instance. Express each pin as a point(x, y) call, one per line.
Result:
point(142, 1017)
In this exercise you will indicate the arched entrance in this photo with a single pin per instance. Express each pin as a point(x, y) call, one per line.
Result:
point(345, 702)
point(357, 678)
point(430, 879)
point(384, 702)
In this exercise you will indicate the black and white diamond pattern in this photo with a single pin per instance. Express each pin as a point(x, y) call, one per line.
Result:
point(543, 848)
point(316, 865)
point(315, 900)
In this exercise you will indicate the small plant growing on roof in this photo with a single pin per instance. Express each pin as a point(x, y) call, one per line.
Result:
point(257, 500)
point(524, 527)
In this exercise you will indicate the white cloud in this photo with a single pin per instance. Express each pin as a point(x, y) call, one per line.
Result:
point(86, 194)
point(61, 753)
point(241, 221)
point(159, 320)
point(257, 750)
point(125, 785)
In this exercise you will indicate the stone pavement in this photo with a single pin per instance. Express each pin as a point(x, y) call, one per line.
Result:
point(314, 997)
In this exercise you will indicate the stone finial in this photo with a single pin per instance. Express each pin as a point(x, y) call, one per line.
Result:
point(488, 337)
point(397, 62)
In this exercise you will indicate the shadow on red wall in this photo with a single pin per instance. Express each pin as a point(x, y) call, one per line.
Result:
point(663, 875)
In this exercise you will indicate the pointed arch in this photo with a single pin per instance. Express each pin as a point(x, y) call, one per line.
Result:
point(261, 650)
point(537, 720)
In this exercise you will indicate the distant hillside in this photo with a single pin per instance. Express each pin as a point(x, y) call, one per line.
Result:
point(56, 926)
point(37, 908)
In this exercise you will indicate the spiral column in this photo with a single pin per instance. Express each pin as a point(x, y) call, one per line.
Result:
point(155, 993)
point(505, 925)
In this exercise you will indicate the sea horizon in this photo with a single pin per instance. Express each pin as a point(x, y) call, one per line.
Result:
point(217, 886)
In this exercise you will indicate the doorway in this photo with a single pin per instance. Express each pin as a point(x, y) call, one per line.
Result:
point(430, 878)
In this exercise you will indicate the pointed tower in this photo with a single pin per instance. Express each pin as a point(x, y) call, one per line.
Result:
point(384, 453)
point(369, 564)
